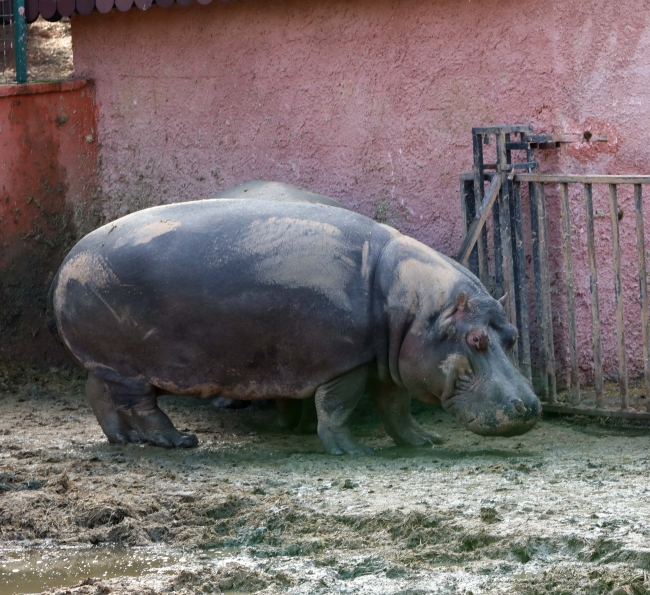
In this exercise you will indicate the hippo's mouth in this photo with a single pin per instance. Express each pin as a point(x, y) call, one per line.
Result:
point(505, 429)
point(512, 420)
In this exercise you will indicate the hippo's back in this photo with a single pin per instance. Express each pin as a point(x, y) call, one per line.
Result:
point(252, 299)
point(278, 191)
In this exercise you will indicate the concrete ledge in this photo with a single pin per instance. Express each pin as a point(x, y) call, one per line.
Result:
point(34, 88)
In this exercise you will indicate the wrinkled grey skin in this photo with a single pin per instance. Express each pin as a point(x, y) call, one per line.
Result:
point(298, 415)
point(260, 299)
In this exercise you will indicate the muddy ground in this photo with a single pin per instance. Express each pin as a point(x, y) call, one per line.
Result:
point(562, 509)
point(49, 52)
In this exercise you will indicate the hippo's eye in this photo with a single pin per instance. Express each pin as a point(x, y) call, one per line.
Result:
point(478, 340)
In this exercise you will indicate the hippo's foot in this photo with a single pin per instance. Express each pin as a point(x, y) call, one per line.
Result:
point(339, 441)
point(298, 415)
point(115, 428)
point(308, 423)
point(135, 418)
point(413, 434)
point(394, 406)
point(154, 427)
point(335, 401)
point(290, 411)
point(226, 403)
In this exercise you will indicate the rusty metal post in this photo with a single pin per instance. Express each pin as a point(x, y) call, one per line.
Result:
point(618, 292)
point(593, 292)
point(643, 289)
point(574, 377)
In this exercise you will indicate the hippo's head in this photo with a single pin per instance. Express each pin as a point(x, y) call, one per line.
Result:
point(461, 357)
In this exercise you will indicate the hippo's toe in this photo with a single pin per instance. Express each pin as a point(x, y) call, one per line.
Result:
point(172, 439)
point(339, 441)
point(154, 427)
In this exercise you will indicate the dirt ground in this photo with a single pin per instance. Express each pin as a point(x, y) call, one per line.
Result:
point(562, 509)
point(49, 52)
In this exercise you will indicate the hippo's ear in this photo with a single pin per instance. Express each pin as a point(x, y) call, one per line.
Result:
point(503, 300)
point(462, 305)
point(456, 313)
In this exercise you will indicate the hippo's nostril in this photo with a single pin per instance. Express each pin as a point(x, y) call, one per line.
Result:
point(519, 406)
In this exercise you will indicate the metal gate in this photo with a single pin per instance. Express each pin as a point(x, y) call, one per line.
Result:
point(494, 249)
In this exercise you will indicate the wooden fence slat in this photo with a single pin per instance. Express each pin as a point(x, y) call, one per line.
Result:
point(479, 222)
point(618, 292)
point(533, 195)
point(581, 179)
point(468, 213)
point(574, 377)
point(497, 287)
point(527, 128)
point(520, 283)
point(593, 292)
point(507, 268)
point(547, 322)
point(483, 265)
point(505, 225)
point(643, 289)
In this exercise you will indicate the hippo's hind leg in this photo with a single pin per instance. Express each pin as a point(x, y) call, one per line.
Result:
point(299, 415)
point(99, 399)
point(135, 416)
point(290, 411)
point(308, 423)
point(394, 405)
point(335, 401)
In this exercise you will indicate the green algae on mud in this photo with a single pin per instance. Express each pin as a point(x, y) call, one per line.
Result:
point(562, 509)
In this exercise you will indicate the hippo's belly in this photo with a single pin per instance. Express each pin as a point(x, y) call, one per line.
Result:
point(247, 300)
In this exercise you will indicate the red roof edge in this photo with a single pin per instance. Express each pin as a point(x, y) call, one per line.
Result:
point(53, 10)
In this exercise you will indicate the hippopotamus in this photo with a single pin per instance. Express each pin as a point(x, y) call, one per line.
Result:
point(264, 299)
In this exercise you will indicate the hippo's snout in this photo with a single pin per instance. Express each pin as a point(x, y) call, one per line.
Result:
point(516, 416)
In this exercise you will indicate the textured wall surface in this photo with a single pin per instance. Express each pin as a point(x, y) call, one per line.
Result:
point(48, 165)
point(372, 102)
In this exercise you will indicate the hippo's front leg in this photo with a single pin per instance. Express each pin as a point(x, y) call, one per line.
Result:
point(394, 405)
point(335, 401)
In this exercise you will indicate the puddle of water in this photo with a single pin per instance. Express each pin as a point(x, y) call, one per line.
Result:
point(32, 571)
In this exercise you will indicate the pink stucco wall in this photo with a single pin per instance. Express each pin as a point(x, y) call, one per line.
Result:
point(371, 102)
